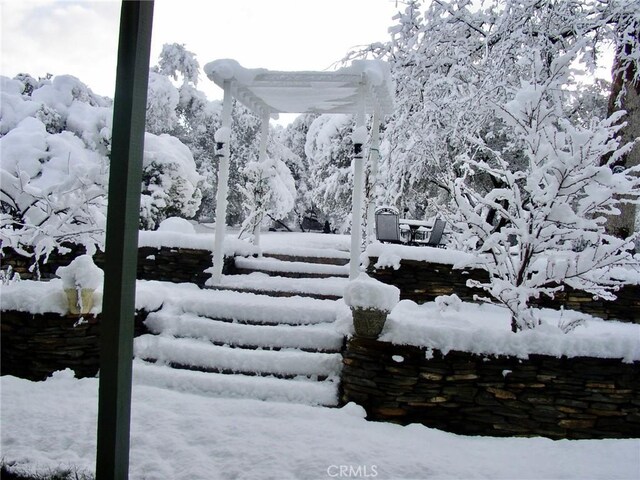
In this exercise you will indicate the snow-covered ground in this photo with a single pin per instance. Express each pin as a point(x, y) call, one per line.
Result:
point(180, 435)
point(189, 437)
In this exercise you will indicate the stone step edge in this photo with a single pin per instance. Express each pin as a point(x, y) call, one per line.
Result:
point(246, 373)
point(237, 386)
point(307, 259)
point(248, 346)
point(288, 274)
point(261, 323)
point(278, 293)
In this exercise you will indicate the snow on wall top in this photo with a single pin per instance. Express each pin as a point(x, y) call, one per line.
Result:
point(448, 325)
point(390, 255)
point(199, 241)
point(272, 92)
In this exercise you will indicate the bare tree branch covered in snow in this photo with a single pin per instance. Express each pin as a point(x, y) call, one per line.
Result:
point(553, 207)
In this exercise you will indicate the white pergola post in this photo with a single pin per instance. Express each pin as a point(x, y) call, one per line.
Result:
point(374, 155)
point(262, 155)
point(359, 137)
point(222, 138)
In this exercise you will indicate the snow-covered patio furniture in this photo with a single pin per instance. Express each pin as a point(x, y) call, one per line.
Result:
point(364, 87)
point(387, 226)
point(435, 238)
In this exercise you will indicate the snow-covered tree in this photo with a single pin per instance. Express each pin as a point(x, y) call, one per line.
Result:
point(294, 138)
point(269, 191)
point(553, 207)
point(176, 60)
point(625, 96)
point(329, 149)
point(488, 115)
point(162, 101)
point(453, 60)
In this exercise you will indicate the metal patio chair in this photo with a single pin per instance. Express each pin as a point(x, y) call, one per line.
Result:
point(387, 227)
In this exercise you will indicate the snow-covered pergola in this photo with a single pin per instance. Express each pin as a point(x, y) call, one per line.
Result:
point(362, 88)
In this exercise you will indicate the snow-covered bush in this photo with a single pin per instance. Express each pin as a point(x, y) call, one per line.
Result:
point(53, 174)
point(55, 138)
point(169, 181)
point(370, 294)
point(176, 225)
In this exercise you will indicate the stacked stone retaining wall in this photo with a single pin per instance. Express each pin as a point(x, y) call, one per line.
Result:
point(424, 281)
point(36, 345)
point(154, 263)
point(493, 395)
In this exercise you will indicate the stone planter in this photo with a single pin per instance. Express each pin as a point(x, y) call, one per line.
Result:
point(368, 322)
point(79, 305)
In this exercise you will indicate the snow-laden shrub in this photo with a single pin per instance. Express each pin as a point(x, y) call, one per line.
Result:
point(169, 181)
point(269, 192)
point(369, 294)
point(81, 273)
point(176, 225)
point(53, 189)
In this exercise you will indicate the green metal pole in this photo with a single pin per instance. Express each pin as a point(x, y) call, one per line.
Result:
point(118, 310)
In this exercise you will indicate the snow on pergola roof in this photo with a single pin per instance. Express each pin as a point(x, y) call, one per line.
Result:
point(271, 92)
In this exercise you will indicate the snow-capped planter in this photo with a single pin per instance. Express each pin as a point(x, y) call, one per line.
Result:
point(370, 301)
point(79, 280)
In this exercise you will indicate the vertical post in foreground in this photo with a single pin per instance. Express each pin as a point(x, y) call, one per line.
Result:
point(359, 136)
point(222, 139)
point(116, 328)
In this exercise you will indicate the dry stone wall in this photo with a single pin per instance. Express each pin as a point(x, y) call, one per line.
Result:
point(485, 395)
point(36, 345)
point(164, 263)
point(424, 281)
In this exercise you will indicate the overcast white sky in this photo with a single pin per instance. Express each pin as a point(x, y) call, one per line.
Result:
point(80, 37)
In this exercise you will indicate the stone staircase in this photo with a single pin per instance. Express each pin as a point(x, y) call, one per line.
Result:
point(266, 333)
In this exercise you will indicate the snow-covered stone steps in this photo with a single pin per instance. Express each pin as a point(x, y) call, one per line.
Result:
point(290, 268)
point(327, 256)
point(246, 307)
point(237, 386)
point(231, 341)
point(320, 337)
point(330, 288)
point(201, 355)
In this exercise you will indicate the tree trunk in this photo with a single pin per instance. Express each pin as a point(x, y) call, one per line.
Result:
point(625, 224)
